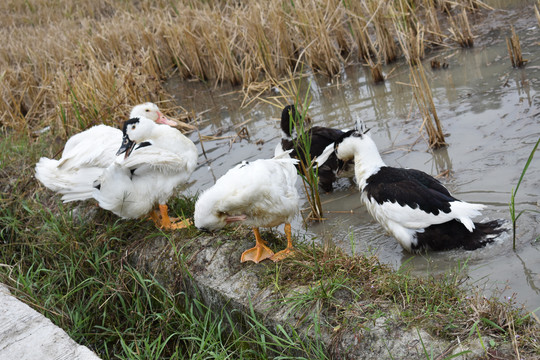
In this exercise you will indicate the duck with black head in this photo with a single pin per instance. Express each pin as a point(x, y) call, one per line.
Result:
point(320, 139)
point(414, 207)
point(157, 159)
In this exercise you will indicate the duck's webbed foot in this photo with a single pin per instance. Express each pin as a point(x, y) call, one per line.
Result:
point(258, 253)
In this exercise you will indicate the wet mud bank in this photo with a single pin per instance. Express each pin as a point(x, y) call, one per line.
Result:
point(208, 268)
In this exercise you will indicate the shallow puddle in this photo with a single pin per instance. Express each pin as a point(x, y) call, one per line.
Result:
point(490, 114)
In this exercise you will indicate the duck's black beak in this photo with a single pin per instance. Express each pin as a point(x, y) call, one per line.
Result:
point(126, 147)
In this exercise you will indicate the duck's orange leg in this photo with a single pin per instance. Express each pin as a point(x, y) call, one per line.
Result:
point(166, 222)
point(259, 252)
point(154, 216)
point(163, 221)
point(280, 255)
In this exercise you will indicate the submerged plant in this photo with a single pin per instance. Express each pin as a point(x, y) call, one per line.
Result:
point(512, 204)
point(536, 12)
point(376, 70)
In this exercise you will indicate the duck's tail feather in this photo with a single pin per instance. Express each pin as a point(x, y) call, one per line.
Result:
point(484, 233)
point(47, 173)
point(81, 186)
point(453, 234)
point(73, 184)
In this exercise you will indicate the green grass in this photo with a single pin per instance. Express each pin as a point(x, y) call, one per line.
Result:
point(90, 290)
point(80, 278)
point(308, 171)
point(512, 204)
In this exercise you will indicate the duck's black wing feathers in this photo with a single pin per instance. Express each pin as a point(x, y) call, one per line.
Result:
point(409, 187)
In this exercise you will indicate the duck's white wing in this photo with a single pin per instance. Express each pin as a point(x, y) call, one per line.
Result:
point(85, 156)
point(264, 190)
point(415, 218)
point(133, 185)
point(148, 164)
point(116, 192)
point(95, 147)
point(321, 159)
point(153, 159)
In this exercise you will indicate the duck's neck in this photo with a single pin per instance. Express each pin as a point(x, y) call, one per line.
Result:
point(286, 115)
point(164, 136)
point(366, 163)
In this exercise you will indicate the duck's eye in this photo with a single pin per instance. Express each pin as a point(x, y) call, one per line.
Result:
point(147, 110)
point(133, 127)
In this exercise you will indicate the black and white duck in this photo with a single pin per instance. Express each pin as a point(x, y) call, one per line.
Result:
point(414, 207)
point(320, 139)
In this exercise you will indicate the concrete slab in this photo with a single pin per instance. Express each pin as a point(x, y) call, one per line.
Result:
point(26, 334)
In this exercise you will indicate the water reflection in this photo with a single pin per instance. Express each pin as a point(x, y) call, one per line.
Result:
point(533, 278)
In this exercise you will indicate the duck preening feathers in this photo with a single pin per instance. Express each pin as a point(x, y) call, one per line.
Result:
point(320, 138)
point(414, 207)
point(156, 159)
point(159, 159)
point(87, 154)
point(261, 193)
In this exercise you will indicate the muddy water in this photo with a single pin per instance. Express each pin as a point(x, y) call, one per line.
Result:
point(491, 116)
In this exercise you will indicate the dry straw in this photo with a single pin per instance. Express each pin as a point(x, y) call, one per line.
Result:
point(409, 31)
point(424, 99)
point(514, 50)
point(461, 30)
point(536, 12)
point(72, 63)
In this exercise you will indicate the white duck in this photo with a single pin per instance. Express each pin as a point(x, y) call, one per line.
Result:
point(261, 193)
point(157, 159)
point(411, 205)
point(87, 154)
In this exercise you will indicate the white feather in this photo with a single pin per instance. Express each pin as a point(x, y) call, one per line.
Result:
point(321, 159)
point(131, 187)
point(263, 191)
point(85, 156)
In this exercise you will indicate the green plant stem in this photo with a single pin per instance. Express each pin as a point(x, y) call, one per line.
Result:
point(513, 196)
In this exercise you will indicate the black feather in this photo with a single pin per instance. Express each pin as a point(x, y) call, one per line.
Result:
point(453, 234)
point(409, 187)
point(319, 138)
point(131, 121)
point(143, 144)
